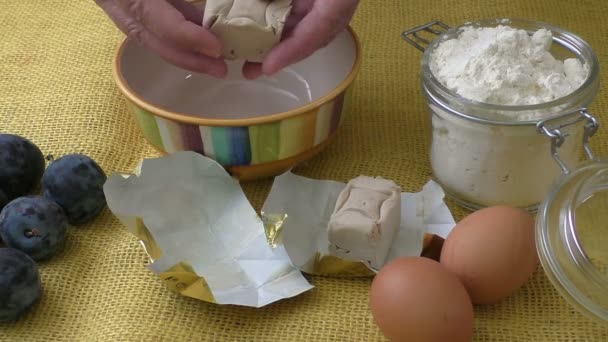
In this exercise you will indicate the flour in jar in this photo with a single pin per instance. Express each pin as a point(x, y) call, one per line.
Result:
point(484, 164)
point(505, 66)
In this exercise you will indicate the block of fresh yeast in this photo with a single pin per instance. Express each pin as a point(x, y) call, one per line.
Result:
point(366, 218)
point(248, 29)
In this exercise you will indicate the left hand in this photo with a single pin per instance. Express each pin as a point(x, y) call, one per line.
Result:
point(172, 30)
point(312, 25)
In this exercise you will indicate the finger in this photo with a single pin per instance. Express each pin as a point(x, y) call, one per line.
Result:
point(311, 33)
point(188, 10)
point(183, 58)
point(116, 14)
point(252, 70)
point(298, 11)
point(169, 24)
point(315, 30)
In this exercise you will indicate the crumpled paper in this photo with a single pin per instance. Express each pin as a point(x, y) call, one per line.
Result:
point(305, 206)
point(204, 238)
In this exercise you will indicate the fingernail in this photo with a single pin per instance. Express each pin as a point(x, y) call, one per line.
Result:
point(271, 72)
point(210, 53)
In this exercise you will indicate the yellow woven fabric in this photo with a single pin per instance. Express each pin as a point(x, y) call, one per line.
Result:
point(56, 88)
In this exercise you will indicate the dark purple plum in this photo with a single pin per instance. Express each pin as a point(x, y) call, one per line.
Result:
point(34, 225)
point(21, 166)
point(75, 182)
point(20, 284)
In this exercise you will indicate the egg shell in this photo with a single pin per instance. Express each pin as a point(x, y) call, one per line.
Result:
point(417, 299)
point(493, 252)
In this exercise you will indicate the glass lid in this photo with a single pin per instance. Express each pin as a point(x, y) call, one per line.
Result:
point(572, 227)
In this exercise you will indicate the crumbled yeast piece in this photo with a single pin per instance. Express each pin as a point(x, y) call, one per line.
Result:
point(365, 220)
point(248, 29)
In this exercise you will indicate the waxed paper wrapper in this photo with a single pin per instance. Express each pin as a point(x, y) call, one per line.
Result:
point(202, 235)
point(297, 212)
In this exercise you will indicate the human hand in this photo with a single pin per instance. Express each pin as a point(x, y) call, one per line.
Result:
point(311, 25)
point(170, 28)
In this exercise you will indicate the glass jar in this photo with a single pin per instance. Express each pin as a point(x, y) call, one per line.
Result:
point(544, 155)
point(480, 153)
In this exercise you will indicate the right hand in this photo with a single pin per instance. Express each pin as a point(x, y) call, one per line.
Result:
point(172, 29)
point(312, 25)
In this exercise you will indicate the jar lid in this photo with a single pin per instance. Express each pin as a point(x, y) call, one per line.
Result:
point(572, 238)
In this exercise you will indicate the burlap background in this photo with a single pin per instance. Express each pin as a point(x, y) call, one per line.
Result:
point(56, 88)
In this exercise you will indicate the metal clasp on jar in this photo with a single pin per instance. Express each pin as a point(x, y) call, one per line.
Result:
point(558, 137)
point(412, 36)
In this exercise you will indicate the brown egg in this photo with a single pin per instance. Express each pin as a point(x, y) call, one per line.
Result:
point(417, 299)
point(493, 252)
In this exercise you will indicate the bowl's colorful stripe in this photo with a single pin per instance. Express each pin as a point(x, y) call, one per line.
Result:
point(239, 146)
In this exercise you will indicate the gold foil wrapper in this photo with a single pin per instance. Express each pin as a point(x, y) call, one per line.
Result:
point(273, 225)
point(297, 211)
point(182, 279)
point(325, 265)
point(147, 240)
point(202, 236)
point(328, 265)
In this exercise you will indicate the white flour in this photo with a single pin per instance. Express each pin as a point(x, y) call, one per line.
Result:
point(484, 164)
point(506, 66)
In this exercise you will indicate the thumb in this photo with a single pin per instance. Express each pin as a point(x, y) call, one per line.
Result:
point(313, 32)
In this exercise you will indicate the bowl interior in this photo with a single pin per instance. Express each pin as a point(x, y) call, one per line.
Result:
point(160, 84)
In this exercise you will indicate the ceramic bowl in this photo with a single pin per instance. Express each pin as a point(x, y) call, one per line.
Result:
point(255, 129)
